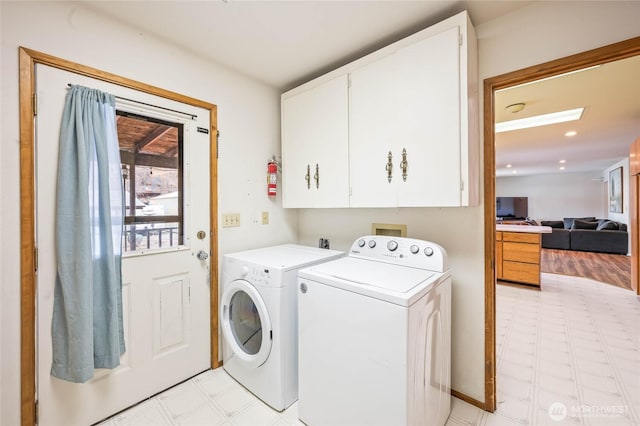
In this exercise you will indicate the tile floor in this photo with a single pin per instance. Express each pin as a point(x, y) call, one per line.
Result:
point(566, 355)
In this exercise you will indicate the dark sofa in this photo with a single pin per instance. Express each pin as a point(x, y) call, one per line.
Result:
point(587, 234)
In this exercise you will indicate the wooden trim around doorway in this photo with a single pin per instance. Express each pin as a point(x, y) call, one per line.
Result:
point(27, 60)
point(602, 55)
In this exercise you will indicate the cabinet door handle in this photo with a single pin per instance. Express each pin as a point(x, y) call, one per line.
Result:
point(404, 164)
point(389, 167)
point(307, 177)
point(316, 176)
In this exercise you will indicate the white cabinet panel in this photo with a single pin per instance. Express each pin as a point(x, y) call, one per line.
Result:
point(373, 107)
point(315, 139)
point(409, 100)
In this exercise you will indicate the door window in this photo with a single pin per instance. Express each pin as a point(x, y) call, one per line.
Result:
point(245, 322)
point(151, 152)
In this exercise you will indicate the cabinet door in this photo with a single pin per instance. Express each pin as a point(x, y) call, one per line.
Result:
point(372, 117)
point(428, 121)
point(315, 136)
point(409, 100)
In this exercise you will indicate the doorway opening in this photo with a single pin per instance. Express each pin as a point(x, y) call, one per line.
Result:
point(614, 52)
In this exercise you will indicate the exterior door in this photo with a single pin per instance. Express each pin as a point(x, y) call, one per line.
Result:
point(246, 325)
point(166, 294)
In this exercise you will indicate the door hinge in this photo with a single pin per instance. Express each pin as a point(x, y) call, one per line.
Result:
point(35, 104)
point(35, 416)
point(348, 80)
point(460, 39)
point(462, 185)
point(217, 144)
point(35, 259)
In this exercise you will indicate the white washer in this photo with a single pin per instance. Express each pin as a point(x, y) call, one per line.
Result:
point(258, 317)
point(374, 332)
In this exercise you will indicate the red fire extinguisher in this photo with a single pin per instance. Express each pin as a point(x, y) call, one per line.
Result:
point(272, 178)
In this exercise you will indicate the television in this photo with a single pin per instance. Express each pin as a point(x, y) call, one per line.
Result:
point(515, 208)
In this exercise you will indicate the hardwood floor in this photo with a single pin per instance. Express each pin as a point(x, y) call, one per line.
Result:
point(614, 269)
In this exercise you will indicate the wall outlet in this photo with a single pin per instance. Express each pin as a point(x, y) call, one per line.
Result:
point(230, 220)
point(323, 243)
point(265, 218)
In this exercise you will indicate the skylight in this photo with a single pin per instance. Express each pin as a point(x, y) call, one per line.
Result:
point(540, 120)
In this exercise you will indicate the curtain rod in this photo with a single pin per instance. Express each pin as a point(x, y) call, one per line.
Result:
point(193, 116)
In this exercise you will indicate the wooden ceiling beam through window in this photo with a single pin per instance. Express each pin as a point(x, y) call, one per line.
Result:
point(152, 136)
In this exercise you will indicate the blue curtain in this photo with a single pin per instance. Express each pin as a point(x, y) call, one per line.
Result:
point(87, 330)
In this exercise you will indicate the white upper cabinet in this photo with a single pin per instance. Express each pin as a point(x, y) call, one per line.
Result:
point(315, 146)
point(411, 120)
point(405, 127)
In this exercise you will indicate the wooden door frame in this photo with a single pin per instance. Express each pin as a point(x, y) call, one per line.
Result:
point(27, 60)
point(602, 55)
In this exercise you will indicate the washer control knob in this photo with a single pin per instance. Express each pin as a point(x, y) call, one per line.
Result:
point(361, 243)
point(392, 245)
point(428, 251)
point(372, 243)
point(414, 249)
point(244, 271)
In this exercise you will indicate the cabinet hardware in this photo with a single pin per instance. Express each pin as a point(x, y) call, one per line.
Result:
point(307, 177)
point(404, 164)
point(316, 176)
point(389, 167)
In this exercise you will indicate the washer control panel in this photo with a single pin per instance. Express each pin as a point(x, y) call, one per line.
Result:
point(257, 275)
point(405, 251)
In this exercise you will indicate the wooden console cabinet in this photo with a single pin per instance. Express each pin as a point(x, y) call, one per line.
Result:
point(518, 257)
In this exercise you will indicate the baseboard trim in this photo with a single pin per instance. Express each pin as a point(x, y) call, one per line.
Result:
point(468, 399)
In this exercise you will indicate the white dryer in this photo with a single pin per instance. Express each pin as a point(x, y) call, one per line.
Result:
point(374, 333)
point(258, 318)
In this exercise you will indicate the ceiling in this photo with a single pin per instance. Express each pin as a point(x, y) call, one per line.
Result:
point(286, 43)
point(610, 94)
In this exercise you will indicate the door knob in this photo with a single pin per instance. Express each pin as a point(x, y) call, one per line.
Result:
point(203, 255)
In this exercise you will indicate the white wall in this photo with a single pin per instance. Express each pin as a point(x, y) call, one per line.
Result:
point(557, 195)
point(248, 119)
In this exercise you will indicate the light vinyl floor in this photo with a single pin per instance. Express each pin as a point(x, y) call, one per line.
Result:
point(566, 355)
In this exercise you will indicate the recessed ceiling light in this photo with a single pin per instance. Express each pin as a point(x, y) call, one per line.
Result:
point(561, 167)
point(508, 166)
point(562, 161)
point(571, 133)
point(540, 120)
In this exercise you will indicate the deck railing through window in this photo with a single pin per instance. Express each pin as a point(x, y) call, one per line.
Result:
point(149, 236)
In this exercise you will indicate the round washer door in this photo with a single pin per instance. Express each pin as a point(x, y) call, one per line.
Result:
point(245, 323)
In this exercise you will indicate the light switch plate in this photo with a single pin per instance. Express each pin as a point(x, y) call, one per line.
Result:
point(265, 218)
point(230, 220)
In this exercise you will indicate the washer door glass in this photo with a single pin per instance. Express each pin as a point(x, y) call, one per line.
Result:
point(245, 323)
